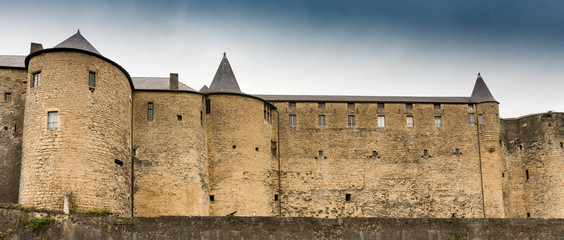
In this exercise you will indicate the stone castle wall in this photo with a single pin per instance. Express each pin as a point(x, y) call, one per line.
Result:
point(533, 162)
point(241, 166)
point(90, 150)
point(171, 176)
point(11, 128)
point(399, 181)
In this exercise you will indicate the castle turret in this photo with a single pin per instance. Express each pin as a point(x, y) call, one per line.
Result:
point(77, 129)
point(488, 128)
point(239, 137)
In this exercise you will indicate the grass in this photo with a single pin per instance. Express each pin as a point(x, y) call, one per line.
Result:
point(37, 224)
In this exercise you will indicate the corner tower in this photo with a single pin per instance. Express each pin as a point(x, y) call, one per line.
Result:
point(488, 129)
point(77, 129)
point(239, 140)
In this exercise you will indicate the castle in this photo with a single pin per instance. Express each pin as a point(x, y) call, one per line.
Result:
point(74, 119)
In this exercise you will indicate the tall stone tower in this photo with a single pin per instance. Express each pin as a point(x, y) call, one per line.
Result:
point(488, 128)
point(239, 137)
point(77, 129)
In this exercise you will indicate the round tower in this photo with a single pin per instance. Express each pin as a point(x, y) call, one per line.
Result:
point(77, 130)
point(239, 137)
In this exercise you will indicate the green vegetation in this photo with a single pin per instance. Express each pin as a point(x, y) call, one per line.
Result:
point(124, 221)
point(37, 224)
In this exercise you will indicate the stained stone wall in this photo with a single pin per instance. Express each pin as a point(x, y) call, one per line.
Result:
point(171, 172)
point(11, 125)
point(241, 164)
point(373, 171)
point(90, 150)
point(533, 164)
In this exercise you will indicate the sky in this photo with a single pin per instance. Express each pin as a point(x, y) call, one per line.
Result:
point(320, 47)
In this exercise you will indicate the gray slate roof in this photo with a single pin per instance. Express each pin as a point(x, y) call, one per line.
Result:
point(204, 89)
point(77, 41)
point(156, 83)
point(224, 79)
point(481, 93)
point(13, 61)
point(339, 98)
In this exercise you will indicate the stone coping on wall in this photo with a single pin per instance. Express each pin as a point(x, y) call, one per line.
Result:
point(92, 226)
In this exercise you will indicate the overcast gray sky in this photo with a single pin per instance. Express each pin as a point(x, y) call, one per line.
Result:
point(327, 47)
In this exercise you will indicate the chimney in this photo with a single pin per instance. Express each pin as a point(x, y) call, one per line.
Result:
point(173, 81)
point(35, 47)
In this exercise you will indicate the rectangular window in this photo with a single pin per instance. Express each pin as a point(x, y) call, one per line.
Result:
point(437, 106)
point(293, 122)
point(438, 122)
point(409, 121)
point(321, 153)
point(150, 111)
point(352, 121)
point(273, 148)
point(36, 79)
point(348, 197)
point(8, 96)
point(425, 153)
point(350, 105)
point(409, 106)
point(53, 120)
point(457, 152)
point(321, 105)
point(92, 79)
point(381, 121)
point(471, 119)
point(208, 106)
point(471, 107)
point(481, 119)
point(321, 120)
point(381, 106)
point(374, 154)
point(292, 105)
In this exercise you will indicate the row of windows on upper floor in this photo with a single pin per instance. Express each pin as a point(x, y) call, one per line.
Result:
point(36, 81)
point(381, 106)
point(351, 121)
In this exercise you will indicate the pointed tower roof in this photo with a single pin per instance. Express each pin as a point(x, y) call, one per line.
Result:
point(204, 89)
point(224, 80)
point(77, 41)
point(481, 93)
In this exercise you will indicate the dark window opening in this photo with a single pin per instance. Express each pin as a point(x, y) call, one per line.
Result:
point(292, 105)
point(201, 118)
point(321, 105)
point(350, 105)
point(437, 106)
point(8, 96)
point(208, 106)
point(502, 175)
point(500, 142)
point(470, 106)
point(320, 153)
point(275, 197)
point(212, 198)
point(179, 117)
point(348, 197)
point(527, 173)
point(425, 153)
point(91, 80)
point(134, 151)
point(561, 145)
point(409, 106)
point(118, 162)
point(150, 111)
point(457, 152)
point(380, 106)
point(234, 146)
point(5, 128)
point(256, 149)
point(15, 127)
point(528, 215)
point(520, 146)
point(374, 154)
point(273, 148)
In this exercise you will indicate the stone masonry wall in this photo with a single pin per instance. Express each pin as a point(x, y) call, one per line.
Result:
point(399, 181)
point(241, 167)
point(87, 227)
point(11, 125)
point(533, 145)
point(90, 150)
point(170, 157)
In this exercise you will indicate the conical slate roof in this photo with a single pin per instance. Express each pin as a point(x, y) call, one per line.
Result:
point(204, 89)
point(77, 41)
point(481, 93)
point(224, 80)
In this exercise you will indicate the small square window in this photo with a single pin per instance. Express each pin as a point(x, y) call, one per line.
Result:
point(351, 121)
point(381, 106)
point(321, 105)
point(381, 121)
point(321, 153)
point(8, 96)
point(438, 122)
point(437, 106)
point(53, 120)
point(409, 106)
point(179, 117)
point(275, 197)
point(374, 154)
point(212, 198)
point(92, 79)
point(293, 122)
point(36, 79)
point(471, 107)
point(409, 121)
point(292, 105)
point(350, 105)
point(348, 197)
point(321, 120)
